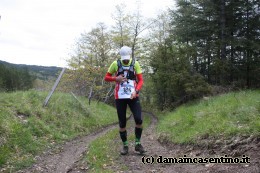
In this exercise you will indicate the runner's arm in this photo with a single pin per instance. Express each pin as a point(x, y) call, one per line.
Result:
point(140, 82)
point(139, 76)
point(109, 77)
point(112, 69)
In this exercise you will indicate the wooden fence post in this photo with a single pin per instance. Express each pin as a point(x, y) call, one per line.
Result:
point(53, 88)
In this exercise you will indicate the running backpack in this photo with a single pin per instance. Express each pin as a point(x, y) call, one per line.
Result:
point(131, 72)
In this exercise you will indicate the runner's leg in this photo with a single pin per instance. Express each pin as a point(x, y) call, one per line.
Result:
point(121, 106)
point(135, 107)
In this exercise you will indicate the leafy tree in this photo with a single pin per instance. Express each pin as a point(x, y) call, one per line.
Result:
point(128, 28)
point(97, 49)
point(120, 31)
point(174, 80)
point(88, 64)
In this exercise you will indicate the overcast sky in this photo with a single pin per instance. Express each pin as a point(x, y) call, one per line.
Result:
point(42, 32)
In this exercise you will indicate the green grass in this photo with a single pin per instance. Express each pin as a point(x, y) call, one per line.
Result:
point(26, 128)
point(100, 152)
point(103, 152)
point(236, 113)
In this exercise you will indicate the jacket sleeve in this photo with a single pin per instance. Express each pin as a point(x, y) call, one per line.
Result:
point(140, 81)
point(109, 77)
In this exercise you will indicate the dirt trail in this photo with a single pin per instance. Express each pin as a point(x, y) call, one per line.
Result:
point(154, 148)
point(65, 159)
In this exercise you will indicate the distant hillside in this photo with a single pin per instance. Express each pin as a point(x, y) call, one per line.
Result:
point(40, 72)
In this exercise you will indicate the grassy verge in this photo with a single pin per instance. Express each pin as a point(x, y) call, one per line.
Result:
point(103, 152)
point(26, 128)
point(226, 115)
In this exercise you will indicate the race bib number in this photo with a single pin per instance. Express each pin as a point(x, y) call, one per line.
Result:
point(126, 89)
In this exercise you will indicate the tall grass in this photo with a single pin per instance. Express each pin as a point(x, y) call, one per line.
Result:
point(26, 128)
point(236, 113)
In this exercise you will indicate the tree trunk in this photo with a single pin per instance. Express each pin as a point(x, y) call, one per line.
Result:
point(248, 55)
point(223, 28)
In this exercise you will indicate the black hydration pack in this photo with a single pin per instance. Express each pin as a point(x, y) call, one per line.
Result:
point(130, 70)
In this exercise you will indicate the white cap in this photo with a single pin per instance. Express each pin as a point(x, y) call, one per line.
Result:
point(125, 53)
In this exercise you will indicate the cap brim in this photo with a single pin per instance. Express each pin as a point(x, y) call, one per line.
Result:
point(126, 57)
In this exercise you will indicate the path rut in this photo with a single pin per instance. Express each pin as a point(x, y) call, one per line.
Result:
point(64, 157)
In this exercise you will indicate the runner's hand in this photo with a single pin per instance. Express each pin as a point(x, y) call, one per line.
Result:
point(121, 78)
point(133, 95)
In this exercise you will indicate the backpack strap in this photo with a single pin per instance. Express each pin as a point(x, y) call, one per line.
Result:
point(132, 66)
point(131, 72)
point(120, 67)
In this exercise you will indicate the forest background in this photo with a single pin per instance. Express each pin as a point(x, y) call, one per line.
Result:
point(197, 49)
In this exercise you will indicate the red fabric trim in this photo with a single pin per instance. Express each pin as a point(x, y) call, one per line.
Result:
point(109, 77)
point(116, 90)
point(140, 81)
